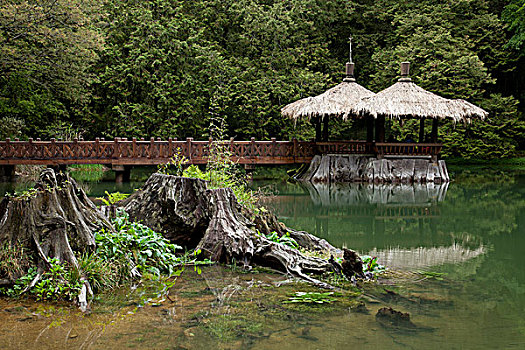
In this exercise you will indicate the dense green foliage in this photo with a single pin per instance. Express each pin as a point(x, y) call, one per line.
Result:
point(166, 68)
point(137, 248)
point(134, 251)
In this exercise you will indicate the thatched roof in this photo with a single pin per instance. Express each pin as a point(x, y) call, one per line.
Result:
point(405, 99)
point(337, 101)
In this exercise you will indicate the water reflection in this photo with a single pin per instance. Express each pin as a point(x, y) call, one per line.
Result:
point(335, 195)
point(416, 225)
point(417, 258)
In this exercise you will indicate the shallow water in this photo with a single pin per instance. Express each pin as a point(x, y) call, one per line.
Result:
point(471, 232)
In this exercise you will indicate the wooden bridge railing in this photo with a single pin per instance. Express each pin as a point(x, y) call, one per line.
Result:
point(144, 152)
point(412, 149)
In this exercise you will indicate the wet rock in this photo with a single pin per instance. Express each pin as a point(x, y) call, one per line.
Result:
point(389, 317)
point(352, 264)
point(361, 309)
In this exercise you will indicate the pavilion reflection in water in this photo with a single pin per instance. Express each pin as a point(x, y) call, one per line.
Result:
point(381, 201)
point(399, 223)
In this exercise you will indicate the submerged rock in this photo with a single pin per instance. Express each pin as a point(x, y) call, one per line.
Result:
point(389, 317)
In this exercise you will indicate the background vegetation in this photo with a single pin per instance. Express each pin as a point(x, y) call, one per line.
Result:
point(165, 67)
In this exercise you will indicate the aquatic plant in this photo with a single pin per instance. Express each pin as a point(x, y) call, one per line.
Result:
point(438, 276)
point(284, 239)
point(312, 298)
point(113, 198)
point(143, 248)
point(370, 265)
point(59, 281)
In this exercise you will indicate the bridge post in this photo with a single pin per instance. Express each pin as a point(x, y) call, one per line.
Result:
point(122, 173)
point(115, 148)
point(188, 142)
point(7, 172)
point(252, 147)
point(249, 168)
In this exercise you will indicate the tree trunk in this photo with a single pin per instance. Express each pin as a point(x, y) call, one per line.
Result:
point(55, 221)
point(217, 225)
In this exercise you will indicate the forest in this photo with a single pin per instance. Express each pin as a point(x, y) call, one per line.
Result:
point(165, 68)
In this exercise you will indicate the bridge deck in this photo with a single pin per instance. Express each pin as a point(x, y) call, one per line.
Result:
point(151, 152)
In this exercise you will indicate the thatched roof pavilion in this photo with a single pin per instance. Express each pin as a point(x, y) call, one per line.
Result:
point(405, 100)
point(337, 101)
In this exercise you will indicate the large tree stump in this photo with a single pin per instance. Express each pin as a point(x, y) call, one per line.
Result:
point(55, 221)
point(215, 224)
point(175, 206)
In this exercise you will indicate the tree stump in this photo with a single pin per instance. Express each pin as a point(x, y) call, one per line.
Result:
point(212, 221)
point(55, 220)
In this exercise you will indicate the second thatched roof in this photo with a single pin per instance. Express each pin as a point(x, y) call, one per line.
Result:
point(337, 101)
point(405, 99)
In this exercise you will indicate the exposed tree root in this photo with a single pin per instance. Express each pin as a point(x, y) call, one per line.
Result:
point(188, 213)
point(55, 221)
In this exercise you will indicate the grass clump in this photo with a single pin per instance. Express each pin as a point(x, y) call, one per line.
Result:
point(14, 260)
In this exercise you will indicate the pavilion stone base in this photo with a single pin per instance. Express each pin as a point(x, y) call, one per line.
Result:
point(354, 168)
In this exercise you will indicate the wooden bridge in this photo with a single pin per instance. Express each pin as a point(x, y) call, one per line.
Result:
point(122, 152)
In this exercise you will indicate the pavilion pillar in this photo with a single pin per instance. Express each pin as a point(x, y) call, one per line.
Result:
point(369, 129)
point(434, 134)
point(422, 130)
point(317, 122)
point(380, 128)
point(326, 120)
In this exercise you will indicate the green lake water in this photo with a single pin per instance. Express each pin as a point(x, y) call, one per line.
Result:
point(457, 252)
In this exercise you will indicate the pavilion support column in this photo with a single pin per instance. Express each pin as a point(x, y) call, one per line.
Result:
point(369, 129)
point(326, 121)
point(434, 135)
point(317, 123)
point(422, 130)
point(380, 128)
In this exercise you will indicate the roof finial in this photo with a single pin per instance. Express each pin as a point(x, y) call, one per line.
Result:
point(350, 54)
point(405, 71)
point(350, 65)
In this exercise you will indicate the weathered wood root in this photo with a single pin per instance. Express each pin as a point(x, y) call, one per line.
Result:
point(55, 222)
point(213, 222)
point(175, 206)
